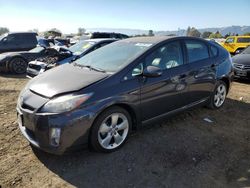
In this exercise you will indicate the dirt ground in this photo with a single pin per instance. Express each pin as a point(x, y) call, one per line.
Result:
point(183, 151)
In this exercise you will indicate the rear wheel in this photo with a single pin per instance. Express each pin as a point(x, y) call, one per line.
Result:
point(110, 130)
point(18, 65)
point(219, 95)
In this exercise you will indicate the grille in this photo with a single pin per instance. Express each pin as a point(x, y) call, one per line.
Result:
point(242, 67)
point(36, 67)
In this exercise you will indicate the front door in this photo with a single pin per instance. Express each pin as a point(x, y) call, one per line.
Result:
point(160, 95)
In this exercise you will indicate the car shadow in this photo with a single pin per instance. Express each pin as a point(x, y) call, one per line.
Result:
point(8, 75)
point(182, 151)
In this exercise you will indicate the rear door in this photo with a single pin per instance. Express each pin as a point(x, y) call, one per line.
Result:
point(202, 70)
point(169, 91)
point(28, 41)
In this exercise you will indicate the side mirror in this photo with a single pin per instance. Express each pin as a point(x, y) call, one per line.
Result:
point(152, 71)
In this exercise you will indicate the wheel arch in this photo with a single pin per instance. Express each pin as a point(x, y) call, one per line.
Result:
point(227, 82)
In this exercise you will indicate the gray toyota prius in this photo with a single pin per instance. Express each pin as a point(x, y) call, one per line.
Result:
point(100, 98)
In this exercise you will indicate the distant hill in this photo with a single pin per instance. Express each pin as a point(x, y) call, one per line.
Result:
point(223, 30)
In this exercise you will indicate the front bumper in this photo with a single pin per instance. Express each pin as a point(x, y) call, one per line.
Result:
point(74, 127)
point(241, 73)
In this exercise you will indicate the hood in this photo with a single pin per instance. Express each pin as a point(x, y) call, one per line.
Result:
point(242, 59)
point(63, 79)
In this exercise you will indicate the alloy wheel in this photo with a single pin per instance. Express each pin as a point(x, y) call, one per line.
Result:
point(220, 95)
point(113, 131)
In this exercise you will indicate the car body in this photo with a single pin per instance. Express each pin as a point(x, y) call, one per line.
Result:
point(101, 97)
point(235, 44)
point(16, 62)
point(241, 64)
point(77, 51)
point(18, 41)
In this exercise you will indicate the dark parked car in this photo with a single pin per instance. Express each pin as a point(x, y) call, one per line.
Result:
point(12, 42)
point(76, 51)
point(95, 35)
point(241, 64)
point(101, 97)
point(17, 62)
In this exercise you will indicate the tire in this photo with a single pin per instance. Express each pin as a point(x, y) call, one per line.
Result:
point(110, 130)
point(219, 95)
point(18, 65)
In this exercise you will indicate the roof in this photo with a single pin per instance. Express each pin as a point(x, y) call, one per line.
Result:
point(153, 40)
point(23, 33)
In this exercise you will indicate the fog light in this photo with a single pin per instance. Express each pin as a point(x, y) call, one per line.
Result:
point(55, 134)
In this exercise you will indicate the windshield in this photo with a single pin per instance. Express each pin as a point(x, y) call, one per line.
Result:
point(37, 49)
point(246, 51)
point(115, 56)
point(81, 47)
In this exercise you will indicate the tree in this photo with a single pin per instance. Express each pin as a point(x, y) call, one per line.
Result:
point(188, 30)
point(206, 34)
point(34, 30)
point(150, 33)
point(81, 31)
point(4, 30)
point(227, 35)
point(54, 32)
point(247, 34)
point(193, 32)
point(215, 35)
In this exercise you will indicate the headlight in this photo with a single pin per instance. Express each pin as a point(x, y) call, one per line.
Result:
point(65, 103)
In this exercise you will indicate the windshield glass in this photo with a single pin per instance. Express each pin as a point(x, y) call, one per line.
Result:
point(115, 56)
point(246, 51)
point(81, 47)
point(37, 49)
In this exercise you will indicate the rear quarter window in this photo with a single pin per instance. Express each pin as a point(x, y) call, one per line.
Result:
point(196, 50)
point(214, 51)
point(243, 40)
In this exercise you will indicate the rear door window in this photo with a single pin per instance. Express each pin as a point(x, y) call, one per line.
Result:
point(196, 50)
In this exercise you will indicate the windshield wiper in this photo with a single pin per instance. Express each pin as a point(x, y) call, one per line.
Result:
point(90, 67)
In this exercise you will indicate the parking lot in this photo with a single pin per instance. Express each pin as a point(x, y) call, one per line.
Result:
point(182, 151)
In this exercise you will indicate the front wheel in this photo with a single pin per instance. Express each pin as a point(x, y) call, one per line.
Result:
point(219, 96)
point(110, 130)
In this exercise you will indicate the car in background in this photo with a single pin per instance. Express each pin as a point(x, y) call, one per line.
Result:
point(96, 35)
point(235, 44)
point(241, 64)
point(19, 41)
point(62, 42)
point(76, 51)
point(100, 98)
point(17, 62)
point(45, 42)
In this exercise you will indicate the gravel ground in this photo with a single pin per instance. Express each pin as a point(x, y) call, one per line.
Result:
point(182, 151)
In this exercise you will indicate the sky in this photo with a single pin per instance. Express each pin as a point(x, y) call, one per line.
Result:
point(158, 15)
